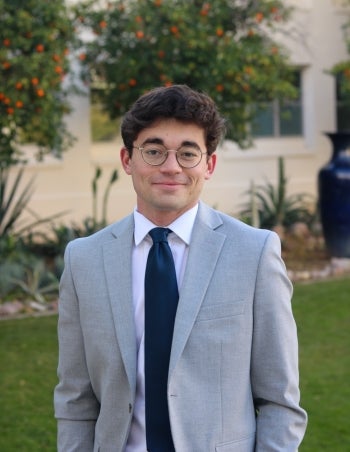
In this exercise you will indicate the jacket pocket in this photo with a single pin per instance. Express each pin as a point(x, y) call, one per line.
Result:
point(246, 444)
point(220, 311)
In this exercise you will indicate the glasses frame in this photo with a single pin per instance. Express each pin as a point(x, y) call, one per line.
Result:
point(166, 153)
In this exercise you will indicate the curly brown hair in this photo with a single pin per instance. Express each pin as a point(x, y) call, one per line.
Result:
point(179, 102)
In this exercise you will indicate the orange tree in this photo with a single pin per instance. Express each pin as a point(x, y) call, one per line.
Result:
point(34, 37)
point(223, 47)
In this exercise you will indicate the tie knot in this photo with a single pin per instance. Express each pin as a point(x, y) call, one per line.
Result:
point(159, 234)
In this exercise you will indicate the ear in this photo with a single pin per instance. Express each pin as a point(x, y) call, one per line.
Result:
point(125, 159)
point(211, 163)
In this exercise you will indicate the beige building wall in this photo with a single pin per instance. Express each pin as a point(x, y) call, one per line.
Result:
point(66, 185)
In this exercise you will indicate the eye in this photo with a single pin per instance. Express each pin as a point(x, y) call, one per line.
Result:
point(153, 151)
point(189, 153)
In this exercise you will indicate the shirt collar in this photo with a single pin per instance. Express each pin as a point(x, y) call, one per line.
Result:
point(182, 226)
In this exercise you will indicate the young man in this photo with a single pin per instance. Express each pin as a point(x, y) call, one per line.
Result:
point(231, 375)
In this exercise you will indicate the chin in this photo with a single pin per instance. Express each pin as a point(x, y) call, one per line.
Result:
point(168, 206)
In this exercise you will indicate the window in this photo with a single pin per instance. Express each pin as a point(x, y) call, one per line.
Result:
point(343, 107)
point(103, 128)
point(277, 119)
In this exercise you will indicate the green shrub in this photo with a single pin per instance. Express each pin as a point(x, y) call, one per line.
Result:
point(224, 48)
point(270, 206)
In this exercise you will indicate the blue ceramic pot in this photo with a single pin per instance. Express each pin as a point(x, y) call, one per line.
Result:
point(334, 196)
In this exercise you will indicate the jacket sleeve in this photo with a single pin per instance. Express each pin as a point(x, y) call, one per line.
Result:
point(281, 422)
point(76, 407)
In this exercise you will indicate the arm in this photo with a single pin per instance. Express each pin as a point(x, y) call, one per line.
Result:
point(76, 407)
point(281, 422)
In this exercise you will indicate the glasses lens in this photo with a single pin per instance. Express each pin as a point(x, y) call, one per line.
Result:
point(188, 157)
point(154, 154)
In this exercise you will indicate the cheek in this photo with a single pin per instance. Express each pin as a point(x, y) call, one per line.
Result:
point(198, 182)
point(202, 176)
point(136, 169)
point(139, 176)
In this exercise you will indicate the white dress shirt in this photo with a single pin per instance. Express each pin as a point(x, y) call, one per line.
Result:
point(179, 242)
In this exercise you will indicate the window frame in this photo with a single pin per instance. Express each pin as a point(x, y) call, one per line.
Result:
point(277, 107)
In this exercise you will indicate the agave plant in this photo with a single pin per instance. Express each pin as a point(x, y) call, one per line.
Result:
point(14, 200)
point(37, 282)
point(273, 207)
point(12, 203)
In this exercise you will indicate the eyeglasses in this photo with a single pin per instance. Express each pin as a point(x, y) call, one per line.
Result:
point(156, 154)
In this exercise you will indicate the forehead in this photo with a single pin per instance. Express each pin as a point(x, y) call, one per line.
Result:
point(172, 132)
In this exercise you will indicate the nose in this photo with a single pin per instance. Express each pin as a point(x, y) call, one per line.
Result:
point(171, 164)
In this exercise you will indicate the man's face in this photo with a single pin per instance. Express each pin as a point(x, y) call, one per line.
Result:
point(167, 191)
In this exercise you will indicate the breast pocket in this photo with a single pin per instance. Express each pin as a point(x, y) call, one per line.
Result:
point(220, 311)
point(243, 445)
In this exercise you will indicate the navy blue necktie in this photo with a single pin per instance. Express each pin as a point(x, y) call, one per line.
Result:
point(161, 298)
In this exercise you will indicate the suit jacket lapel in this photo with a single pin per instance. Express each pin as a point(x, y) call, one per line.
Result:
point(117, 265)
point(205, 248)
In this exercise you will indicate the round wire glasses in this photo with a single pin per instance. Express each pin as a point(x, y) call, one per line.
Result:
point(155, 154)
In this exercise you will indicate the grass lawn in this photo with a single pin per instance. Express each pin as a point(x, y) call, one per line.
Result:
point(322, 312)
point(28, 359)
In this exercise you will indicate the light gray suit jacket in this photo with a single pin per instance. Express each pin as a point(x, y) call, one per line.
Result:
point(233, 376)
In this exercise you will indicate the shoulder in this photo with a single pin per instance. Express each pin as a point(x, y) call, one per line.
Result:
point(227, 224)
point(121, 228)
point(236, 233)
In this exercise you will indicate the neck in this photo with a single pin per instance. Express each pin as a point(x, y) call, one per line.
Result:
point(163, 218)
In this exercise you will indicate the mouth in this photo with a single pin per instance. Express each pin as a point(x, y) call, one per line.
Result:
point(169, 183)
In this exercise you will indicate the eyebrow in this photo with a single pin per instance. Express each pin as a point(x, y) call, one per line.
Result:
point(155, 140)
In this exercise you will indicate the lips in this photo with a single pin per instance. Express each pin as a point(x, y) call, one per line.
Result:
point(169, 183)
